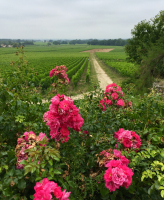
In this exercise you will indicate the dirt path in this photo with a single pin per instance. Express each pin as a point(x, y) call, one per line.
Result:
point(98, 50)
point(102, 77)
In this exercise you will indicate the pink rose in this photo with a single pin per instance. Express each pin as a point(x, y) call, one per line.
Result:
point(114, 96)
point(120, 102)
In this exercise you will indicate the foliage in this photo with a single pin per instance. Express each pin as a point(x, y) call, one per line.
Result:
point(78, 169)
point(76, 77)
point(146, 49)
point(88, 75)
point(112, 42)
point(145, 34)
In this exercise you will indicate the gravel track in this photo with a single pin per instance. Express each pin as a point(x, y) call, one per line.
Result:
point(102, 77)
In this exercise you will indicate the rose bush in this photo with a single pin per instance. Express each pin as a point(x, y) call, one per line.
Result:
point(62, 114)
point(113, 97)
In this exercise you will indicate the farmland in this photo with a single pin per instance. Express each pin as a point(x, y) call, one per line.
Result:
point(116, 60)
point(42, 58)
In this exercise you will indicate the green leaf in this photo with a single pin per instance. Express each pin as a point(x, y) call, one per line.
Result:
point(50, 162)
point(43, 165)
point(27, 170)
point(23, 162)
point(19, 173)
point(1, 118)
point(104, 191)
point(65, 186)
point(38, 179)
point(162, 193)
point(56, 158)
point(71, 184)
point(33, 169)
point(44, 174)
point(57, 171)
point(51, 174)
point(150, 189)
point(162, 154)
point(31, 196)
point(21, 184)
point(10, 173)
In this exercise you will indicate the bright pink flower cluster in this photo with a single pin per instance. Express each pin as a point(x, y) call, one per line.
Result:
point(27, 141)
point(128, 138)
point(60, 72)
point(49, 190)
point(110, 155)
point(62, 114)
point(118, 173)
point(113, 97)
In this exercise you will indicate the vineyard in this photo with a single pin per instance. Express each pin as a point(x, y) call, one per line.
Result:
point(116, 59)
point(41, 59)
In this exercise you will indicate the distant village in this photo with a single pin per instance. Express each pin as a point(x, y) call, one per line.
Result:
point(3, 45)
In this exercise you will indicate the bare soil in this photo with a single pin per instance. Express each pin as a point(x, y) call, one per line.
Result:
point(98, 50)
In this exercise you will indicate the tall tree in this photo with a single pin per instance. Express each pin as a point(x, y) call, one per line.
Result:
point(145, 35)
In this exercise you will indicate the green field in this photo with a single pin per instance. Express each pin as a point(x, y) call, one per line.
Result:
point(42, 58)
point(116, 59)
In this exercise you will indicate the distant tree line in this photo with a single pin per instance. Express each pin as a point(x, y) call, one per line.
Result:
point(58, 42)
point(78, 42)
point(109, 42)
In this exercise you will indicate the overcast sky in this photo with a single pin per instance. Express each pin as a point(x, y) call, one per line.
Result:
point(74, 19)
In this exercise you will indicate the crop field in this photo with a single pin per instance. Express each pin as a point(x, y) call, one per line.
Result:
point(116, 59)
point(43, 58)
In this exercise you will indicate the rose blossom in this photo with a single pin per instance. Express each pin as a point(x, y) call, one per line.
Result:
point(45, 190)
point(120, 102)
point(128, 138)
point(61, 115)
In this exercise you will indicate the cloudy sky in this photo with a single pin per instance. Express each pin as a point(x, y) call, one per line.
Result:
point(74, 19)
